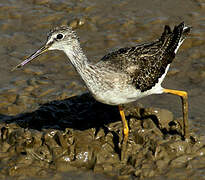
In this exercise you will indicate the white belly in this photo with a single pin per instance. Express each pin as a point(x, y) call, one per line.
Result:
point(130, 94)
point(119, 95)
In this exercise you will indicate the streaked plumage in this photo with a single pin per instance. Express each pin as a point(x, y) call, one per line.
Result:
point(146, 63)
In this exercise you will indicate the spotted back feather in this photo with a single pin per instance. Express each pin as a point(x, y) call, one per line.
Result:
point(146, 63)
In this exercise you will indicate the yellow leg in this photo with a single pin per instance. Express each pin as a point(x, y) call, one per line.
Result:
point(184, 98)
point(125, 133)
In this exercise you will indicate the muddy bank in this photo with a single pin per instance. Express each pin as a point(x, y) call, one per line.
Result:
point(78, 134)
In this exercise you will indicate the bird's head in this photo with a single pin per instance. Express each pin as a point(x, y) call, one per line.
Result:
point(60, 38)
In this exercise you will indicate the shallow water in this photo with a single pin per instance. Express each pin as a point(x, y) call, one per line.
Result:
point(102, 26)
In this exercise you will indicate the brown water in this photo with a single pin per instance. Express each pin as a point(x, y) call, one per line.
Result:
point(102, 26)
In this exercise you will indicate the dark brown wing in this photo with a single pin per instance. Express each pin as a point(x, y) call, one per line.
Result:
point(146, 63)
point(154, 66)
point(127, 59)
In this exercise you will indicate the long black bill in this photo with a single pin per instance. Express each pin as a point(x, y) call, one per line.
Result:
point(33, 56)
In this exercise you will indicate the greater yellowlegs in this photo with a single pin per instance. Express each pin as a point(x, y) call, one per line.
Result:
point(125, 75)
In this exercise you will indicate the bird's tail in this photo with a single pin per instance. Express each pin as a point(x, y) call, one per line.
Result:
point(173, 39)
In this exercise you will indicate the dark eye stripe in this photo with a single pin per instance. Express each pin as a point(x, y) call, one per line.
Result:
point(59, 36)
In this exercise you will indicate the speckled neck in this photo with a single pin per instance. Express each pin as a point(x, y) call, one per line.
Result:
point(77, 57)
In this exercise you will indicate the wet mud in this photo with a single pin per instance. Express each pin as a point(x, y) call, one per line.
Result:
point(78, 134)
point(50, 129)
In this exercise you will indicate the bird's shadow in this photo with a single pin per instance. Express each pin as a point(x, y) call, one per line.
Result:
point(78, 112)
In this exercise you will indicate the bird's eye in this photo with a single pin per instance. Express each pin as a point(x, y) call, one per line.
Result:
point(59, 36)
